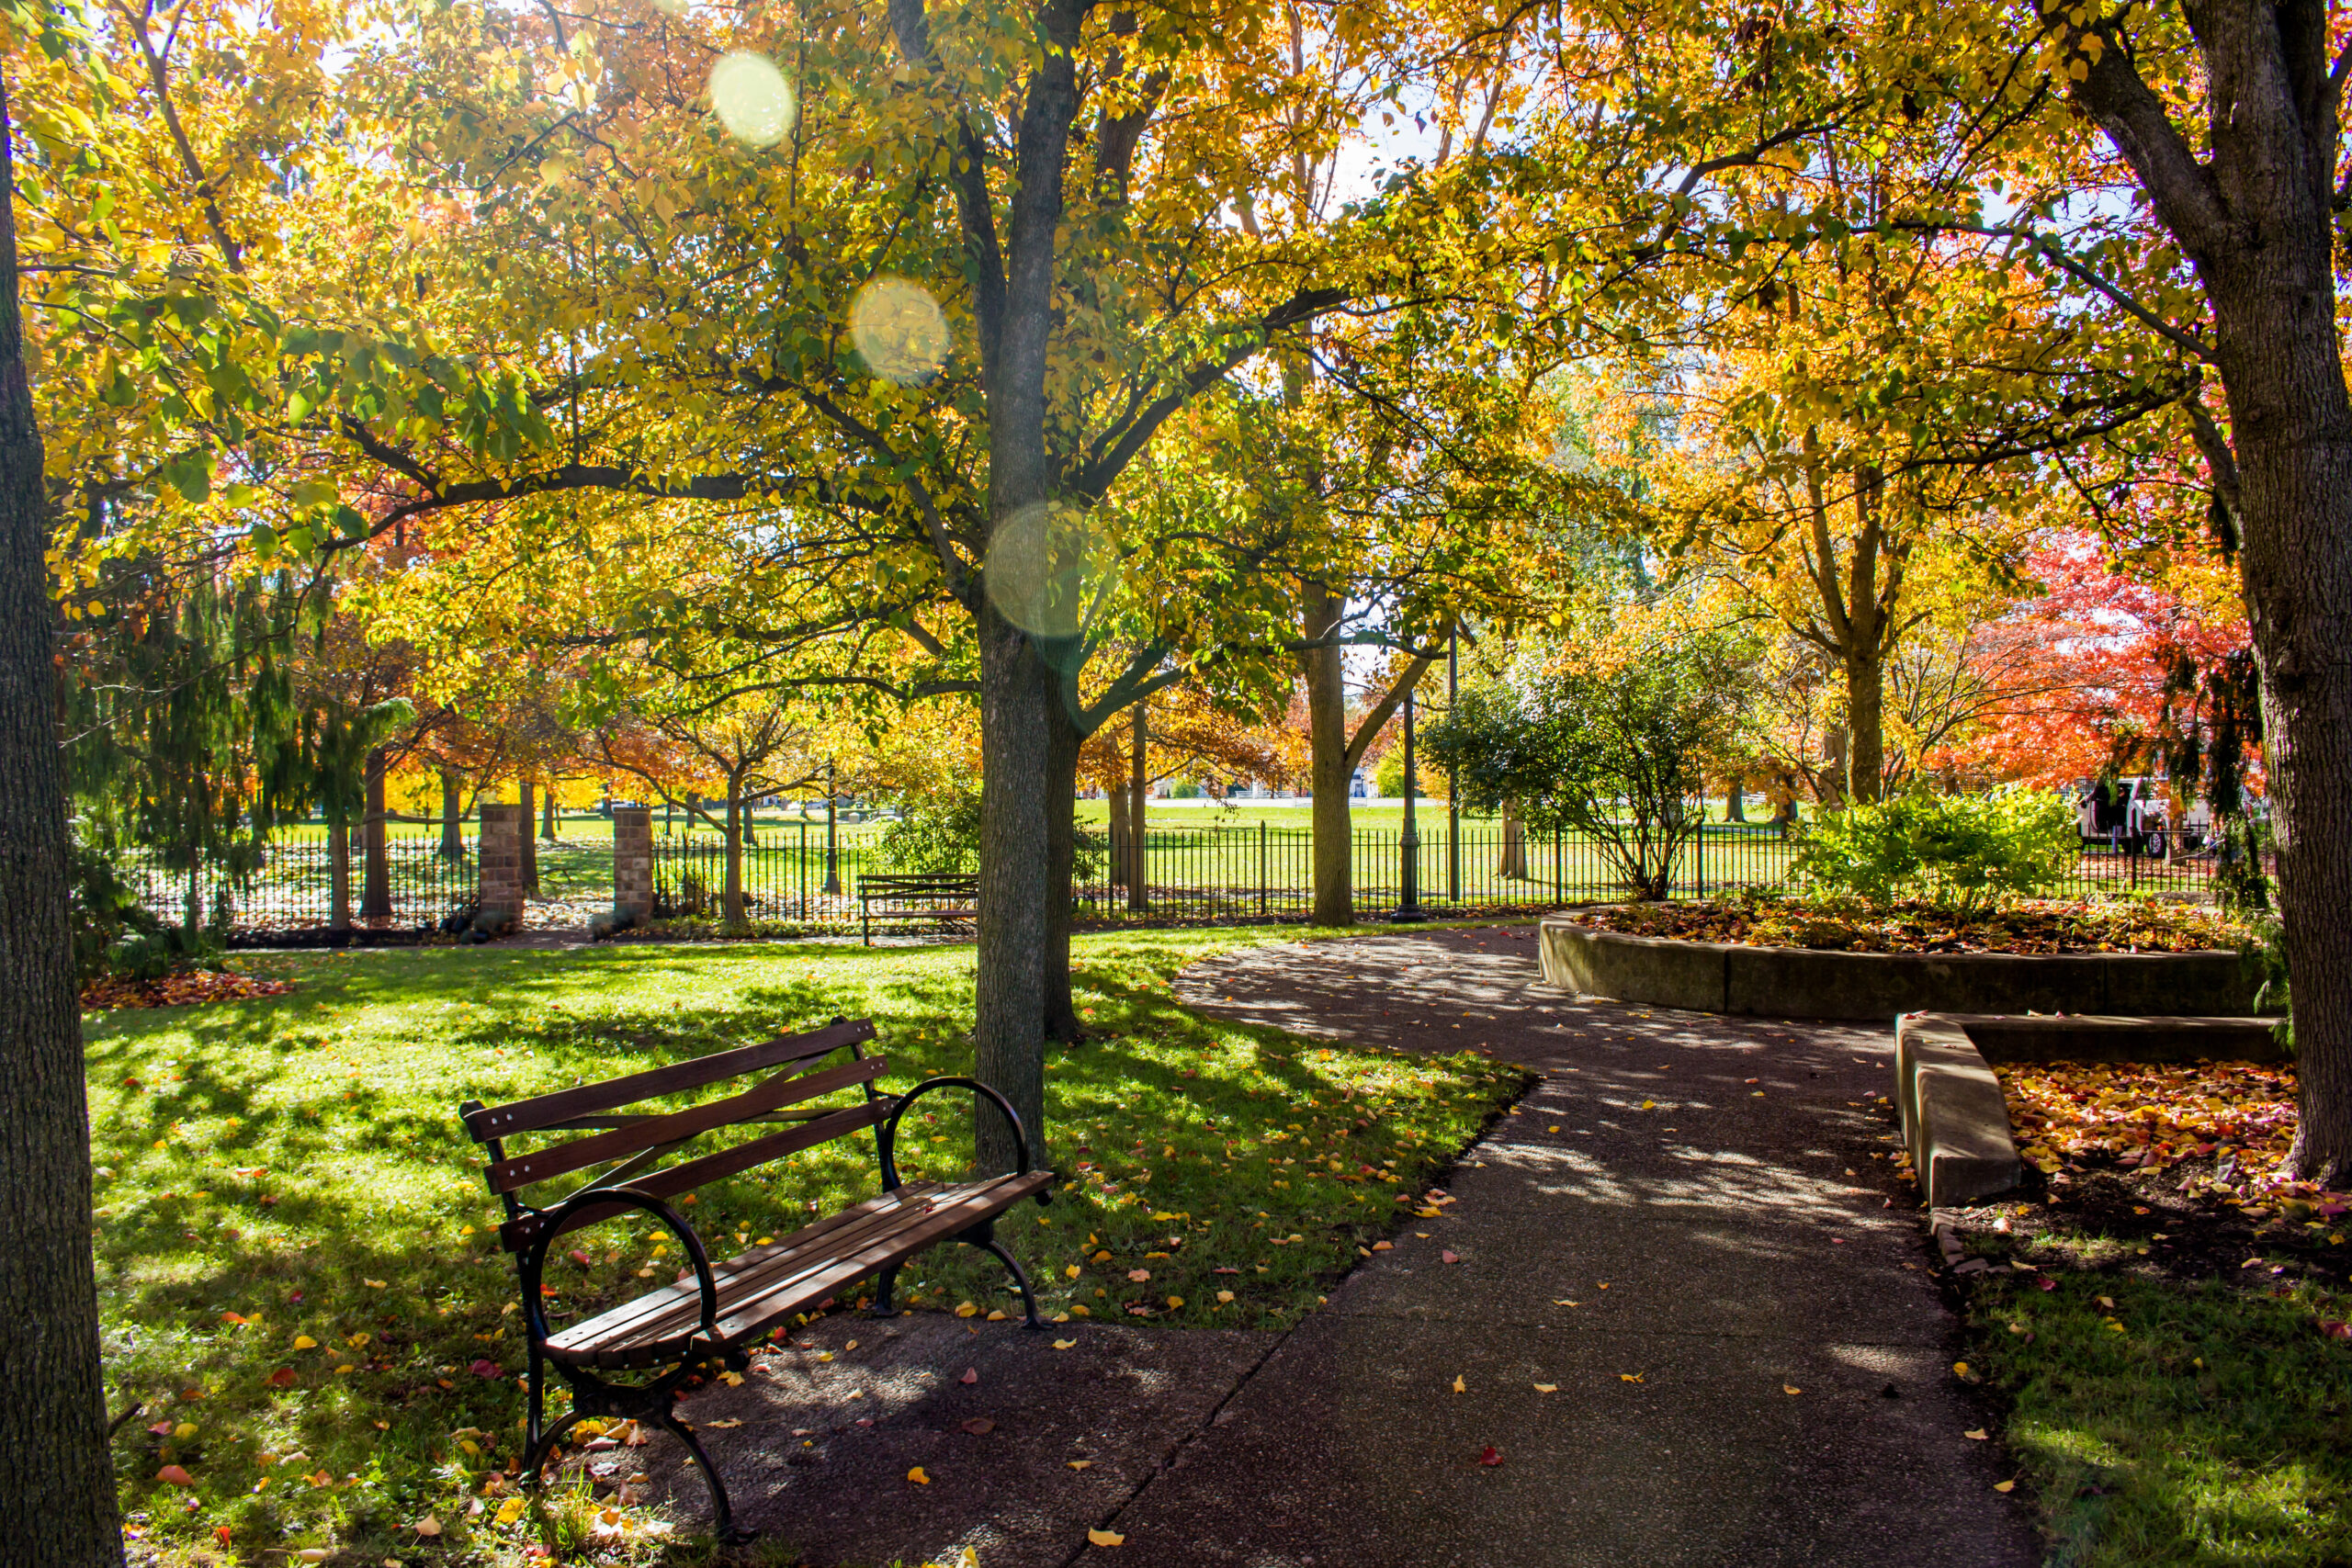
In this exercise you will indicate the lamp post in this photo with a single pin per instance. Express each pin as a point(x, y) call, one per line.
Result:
point(1408, 908)
point(833, 843)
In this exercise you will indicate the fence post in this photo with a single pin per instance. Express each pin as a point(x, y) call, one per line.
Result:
point(804, 862)
point(633, 861)
point(1558, 868)
point(502, 827)
point(1699, 854)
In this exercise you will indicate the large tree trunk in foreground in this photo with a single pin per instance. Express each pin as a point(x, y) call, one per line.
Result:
point(1018, 696)
point(1865, 722)
point(2257, 222)
point(57, 1497)
point(376, 870)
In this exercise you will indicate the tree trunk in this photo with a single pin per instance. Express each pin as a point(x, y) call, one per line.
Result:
point(1865, 775)
point(1017, 697)
point(732, 904)
point(57, 1485)
point(1514, 856)
point(1139, 815)
point(1330, 767)
point(547, 813)
point(1736, 801)
point(1120, 848)
point(376, 871)
point(338, 870)
point(453, 828)
point(2292, 428)
point(1061, 862)
point(530, 846)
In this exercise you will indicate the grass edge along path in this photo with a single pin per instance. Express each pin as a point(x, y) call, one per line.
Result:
point(299, 1284)
point(2189, 1426)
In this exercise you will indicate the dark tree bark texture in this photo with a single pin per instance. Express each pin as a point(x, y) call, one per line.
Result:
point(376, 871)
point(57, 1495)
point(2255, 220)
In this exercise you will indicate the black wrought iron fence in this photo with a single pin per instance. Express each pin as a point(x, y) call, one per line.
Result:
point(294, 885)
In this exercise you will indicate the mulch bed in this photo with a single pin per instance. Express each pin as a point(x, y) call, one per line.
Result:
point(2035, 926)
point(2174, 1169)
point(192, 990)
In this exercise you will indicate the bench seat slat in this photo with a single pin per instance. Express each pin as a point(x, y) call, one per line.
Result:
point(674, 1310)
point(545, 1110)
point(784, 1088)
point(522, 1231)
point(768, 1283)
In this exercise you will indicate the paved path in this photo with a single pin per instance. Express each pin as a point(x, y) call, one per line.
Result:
point(1742, 1229)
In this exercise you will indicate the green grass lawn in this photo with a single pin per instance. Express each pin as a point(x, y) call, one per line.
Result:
point(296, 1274)
point(2186, 1426)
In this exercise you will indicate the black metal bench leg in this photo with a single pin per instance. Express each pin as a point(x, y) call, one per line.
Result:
point(884, 1284)
point(536, 1454)
point(1020, 1278)
point(723, 1515)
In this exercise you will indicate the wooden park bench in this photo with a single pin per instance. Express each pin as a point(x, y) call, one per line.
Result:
point(714, 1315)
point(916, 897)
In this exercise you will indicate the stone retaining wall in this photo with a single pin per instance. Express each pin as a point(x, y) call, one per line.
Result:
point(1797, 982)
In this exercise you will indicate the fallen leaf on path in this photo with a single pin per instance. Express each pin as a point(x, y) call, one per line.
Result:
point(1079, 1463)
point(1978, 1435)
point(979, 1426)
point(1632, 1377)
point(917, 1477)
point(1547, 1388)
point(1491, 1456)
point(1448, 1257)
point(1106, 1537)
point(1459, 1386)
point(971, 1374)
point(723, 1426)
point(2004, 1485)
point(1064, 1344)
point(1791, 1388)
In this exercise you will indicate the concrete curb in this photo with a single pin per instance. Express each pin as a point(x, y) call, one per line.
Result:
point(1797, 982)
point(1954, 1121)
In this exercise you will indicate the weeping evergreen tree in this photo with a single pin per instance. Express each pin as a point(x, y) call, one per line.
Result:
point(182, 735)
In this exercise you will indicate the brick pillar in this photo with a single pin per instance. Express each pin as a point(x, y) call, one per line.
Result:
point(633, 862)
point(502, 827)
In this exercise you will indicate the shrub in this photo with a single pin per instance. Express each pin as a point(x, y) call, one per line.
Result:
point(940, 832)
point(1961, 852)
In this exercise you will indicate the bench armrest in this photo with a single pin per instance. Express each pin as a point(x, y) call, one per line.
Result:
point(533, 1257)
point(888, 1137)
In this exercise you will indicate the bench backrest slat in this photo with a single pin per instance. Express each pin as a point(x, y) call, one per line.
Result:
point(525, 1115)
point(784, 1088)
point(524, 1229)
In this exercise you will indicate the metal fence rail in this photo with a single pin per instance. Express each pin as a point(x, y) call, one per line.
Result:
point(1214, 873)
point(294, 886)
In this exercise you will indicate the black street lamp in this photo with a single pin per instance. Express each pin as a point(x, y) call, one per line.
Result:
point(832, 844)
point(1408, 908)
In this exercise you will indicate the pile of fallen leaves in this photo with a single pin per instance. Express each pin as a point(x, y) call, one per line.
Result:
point(191, 989)
point(2041, 925)
point(2240, 1115)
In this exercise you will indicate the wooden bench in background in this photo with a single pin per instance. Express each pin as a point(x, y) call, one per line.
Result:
point(714, 1316)
point(929, 896)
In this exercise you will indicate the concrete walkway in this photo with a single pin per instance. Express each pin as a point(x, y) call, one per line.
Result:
point(1683, 1222)
point(1740, 1230)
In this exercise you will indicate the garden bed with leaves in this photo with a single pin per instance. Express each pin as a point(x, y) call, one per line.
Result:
point(2030, 927)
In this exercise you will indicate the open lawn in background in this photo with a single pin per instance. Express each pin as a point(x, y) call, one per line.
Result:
point(299, 1284)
